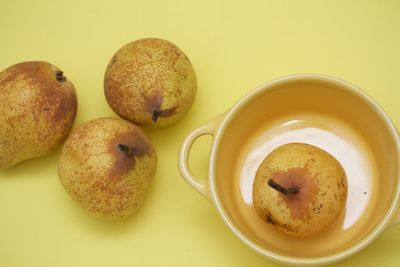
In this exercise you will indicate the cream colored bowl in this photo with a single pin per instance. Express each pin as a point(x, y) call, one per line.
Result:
point(316, 109)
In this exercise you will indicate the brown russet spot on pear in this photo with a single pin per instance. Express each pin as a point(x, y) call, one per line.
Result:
point(300, 189)
point(37, 111)
point(107, 165)
point(304, 188)
point(150, 82)
point(132, 145)
point(153, 105)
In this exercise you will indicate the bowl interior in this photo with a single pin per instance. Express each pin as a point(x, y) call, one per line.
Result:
point(320, 111)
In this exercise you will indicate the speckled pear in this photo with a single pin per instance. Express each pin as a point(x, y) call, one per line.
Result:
point(300, 189)
point(37, 109)
point(150, 82)
point(107, 165)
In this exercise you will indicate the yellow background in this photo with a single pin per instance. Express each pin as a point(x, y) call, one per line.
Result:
point(233, 47)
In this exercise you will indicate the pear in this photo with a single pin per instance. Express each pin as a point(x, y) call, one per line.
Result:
point(150, 82)
point(107, 165)
point(37, 109)
point(300, 189)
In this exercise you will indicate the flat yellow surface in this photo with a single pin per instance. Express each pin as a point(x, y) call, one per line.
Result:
point(233, 47)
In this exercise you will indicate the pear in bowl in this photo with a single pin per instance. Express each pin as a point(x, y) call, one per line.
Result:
point(300, 189)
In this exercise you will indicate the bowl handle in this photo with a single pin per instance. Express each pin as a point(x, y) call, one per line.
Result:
point(200, 185)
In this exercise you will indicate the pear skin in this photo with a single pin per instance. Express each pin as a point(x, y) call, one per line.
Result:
point(300, 189)
point(107, 165)
point(150, 82)
point(37, 109)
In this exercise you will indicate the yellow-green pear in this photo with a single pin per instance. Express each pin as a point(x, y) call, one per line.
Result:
point(300, 189)
point(107, 165)
point(150, 82)
point(37, 109)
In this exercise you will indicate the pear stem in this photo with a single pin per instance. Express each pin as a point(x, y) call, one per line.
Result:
point(286, 191)
point(126, 149)
point(60, 76)
point(156, 114)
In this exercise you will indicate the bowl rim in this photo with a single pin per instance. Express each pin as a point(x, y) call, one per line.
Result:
point(273, 85)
